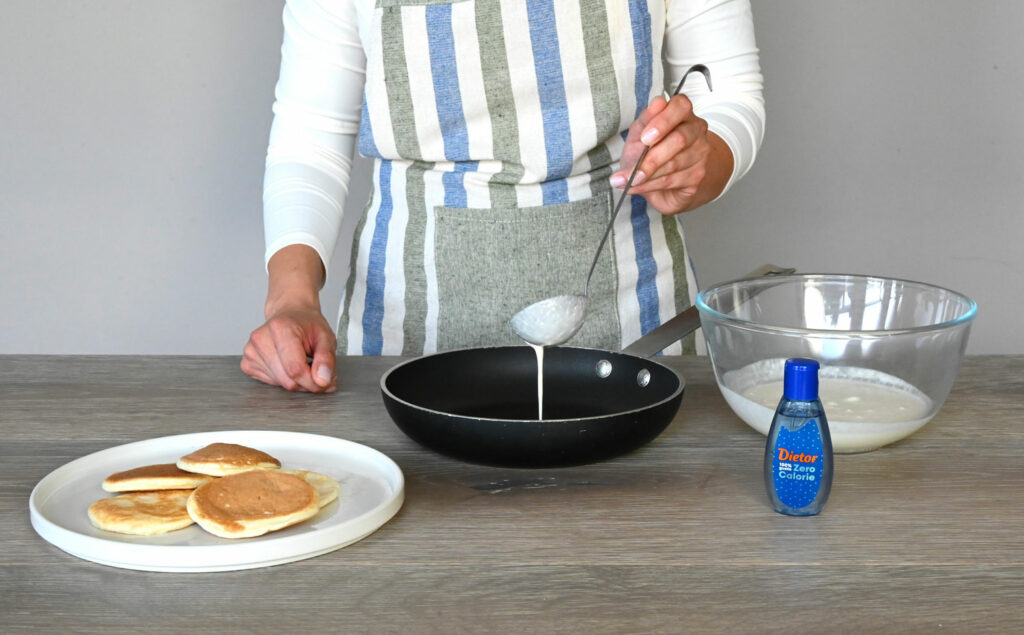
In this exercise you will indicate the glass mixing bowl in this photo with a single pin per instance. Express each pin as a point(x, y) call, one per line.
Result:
point(889, 349)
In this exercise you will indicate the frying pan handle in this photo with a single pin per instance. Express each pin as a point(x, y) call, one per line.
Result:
point(688, 321)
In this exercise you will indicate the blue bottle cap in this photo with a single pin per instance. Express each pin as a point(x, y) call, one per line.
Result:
point(800, 382)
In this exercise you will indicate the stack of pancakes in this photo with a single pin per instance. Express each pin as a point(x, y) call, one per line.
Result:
point(230, 490)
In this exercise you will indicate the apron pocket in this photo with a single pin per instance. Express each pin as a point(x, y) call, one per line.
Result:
point(491, 263)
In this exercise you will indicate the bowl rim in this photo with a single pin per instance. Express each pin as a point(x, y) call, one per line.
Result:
point(704, 309)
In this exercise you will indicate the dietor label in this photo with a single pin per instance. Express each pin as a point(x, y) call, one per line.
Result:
point(797, 465)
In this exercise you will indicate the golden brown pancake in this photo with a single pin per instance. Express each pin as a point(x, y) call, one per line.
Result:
point(252, 503)
point(154, 477)
point(222, 459)
point(327, 488)
point(142, 513)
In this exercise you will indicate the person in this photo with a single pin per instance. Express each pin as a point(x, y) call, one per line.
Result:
point(501, 134)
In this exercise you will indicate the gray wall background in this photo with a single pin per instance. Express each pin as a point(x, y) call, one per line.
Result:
point(133, 137)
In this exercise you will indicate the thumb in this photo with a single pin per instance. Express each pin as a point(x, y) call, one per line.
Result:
point(323, 362)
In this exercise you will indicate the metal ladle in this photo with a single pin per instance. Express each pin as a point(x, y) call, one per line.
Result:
point(554, 320)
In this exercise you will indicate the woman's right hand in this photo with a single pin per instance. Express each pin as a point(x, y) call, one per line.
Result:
point(295, 347)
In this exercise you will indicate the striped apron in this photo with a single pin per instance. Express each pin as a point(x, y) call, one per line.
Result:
point(494, 126)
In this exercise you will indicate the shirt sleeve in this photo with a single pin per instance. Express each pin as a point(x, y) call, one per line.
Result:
point(720, 35)
point(317, 109)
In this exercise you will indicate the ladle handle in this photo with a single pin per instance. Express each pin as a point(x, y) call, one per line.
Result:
point(699, 68)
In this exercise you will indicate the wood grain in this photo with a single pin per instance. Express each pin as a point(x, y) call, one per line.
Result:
point(921, 536)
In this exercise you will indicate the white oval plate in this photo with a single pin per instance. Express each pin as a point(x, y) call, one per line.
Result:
point(372, 491)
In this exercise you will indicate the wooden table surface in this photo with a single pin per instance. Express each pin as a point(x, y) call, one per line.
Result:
point(925, 535)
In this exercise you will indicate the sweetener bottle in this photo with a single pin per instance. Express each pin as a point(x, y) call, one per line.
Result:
point(798, 453)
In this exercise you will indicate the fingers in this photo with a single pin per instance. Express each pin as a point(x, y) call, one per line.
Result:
point(289, 364)
point(261, 360)
point(681, 147)
point(278, 354)
point(678, 150)
point(669, 168)
point(676, 111)
point(634, 147)
point(685, 183)
point(667, 128)
point(253, 365)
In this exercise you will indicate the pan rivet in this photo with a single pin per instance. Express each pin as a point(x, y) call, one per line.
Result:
point(604, 368)
point(643, 378)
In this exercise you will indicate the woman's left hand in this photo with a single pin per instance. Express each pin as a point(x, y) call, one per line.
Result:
point(687, 165)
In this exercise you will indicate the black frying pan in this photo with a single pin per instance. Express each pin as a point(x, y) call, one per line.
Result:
point(480, 404)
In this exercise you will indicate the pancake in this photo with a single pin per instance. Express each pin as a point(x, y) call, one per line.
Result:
point(222, 459)
point(154, 477)
point(142, 513)
point(327, 488)
point(252, 503)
